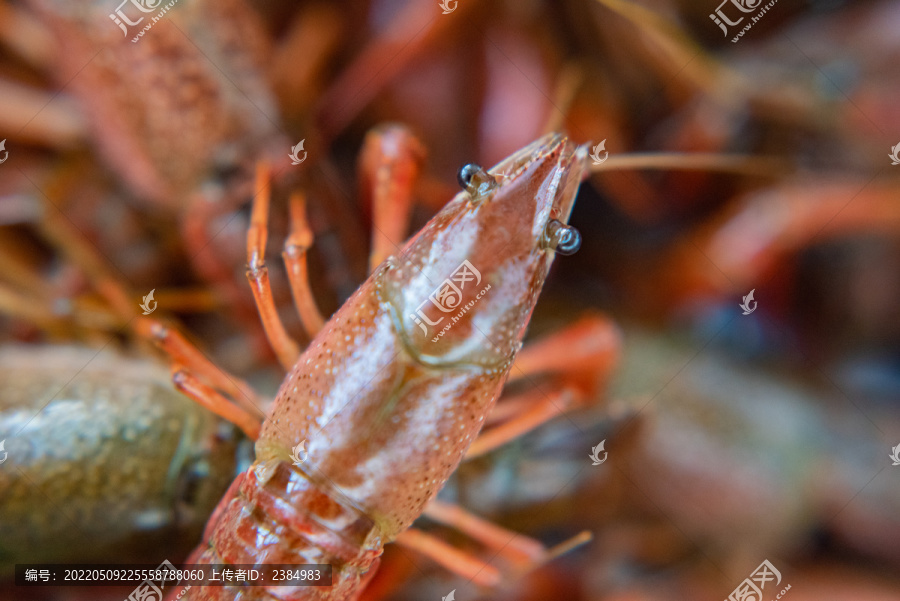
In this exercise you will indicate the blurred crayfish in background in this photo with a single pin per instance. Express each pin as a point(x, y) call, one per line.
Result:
point(717, 459)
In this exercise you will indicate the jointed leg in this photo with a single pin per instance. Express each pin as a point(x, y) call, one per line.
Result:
point(60, 231)
point(170, 341)
point(580, 358)
point(285, 347)
point(517, 548)
point(188, 356)
point(203, 377)
point(539, 408)
point(83, 319)
point(585, 352)
point(295, 247)
point(389, 166)
point(208, 397)
point(203, 251)
point(200, 379)
point(455, 560)
point(520, 552)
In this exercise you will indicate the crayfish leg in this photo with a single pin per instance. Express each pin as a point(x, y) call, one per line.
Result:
point(446, 555)
point(285, 347)
point(209, 398)
point(299, 241)
point(389, 165)
point(201, 379)
point(580, 358)
point(514, 549)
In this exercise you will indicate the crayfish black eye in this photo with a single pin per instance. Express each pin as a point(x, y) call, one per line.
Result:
point(466, 173)
point(562, 238)
point(476, 181)
point(570, 242)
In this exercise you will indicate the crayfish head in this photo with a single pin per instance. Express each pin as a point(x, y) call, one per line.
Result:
point(463, 289)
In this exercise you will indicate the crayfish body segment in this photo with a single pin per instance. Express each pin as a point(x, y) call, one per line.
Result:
point(104, 464)
point(395, 388)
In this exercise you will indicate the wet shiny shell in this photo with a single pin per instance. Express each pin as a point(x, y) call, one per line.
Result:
point(103, 457)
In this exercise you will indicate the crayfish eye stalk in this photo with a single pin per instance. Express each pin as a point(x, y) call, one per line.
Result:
point(476, 181)
point(562, 238)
